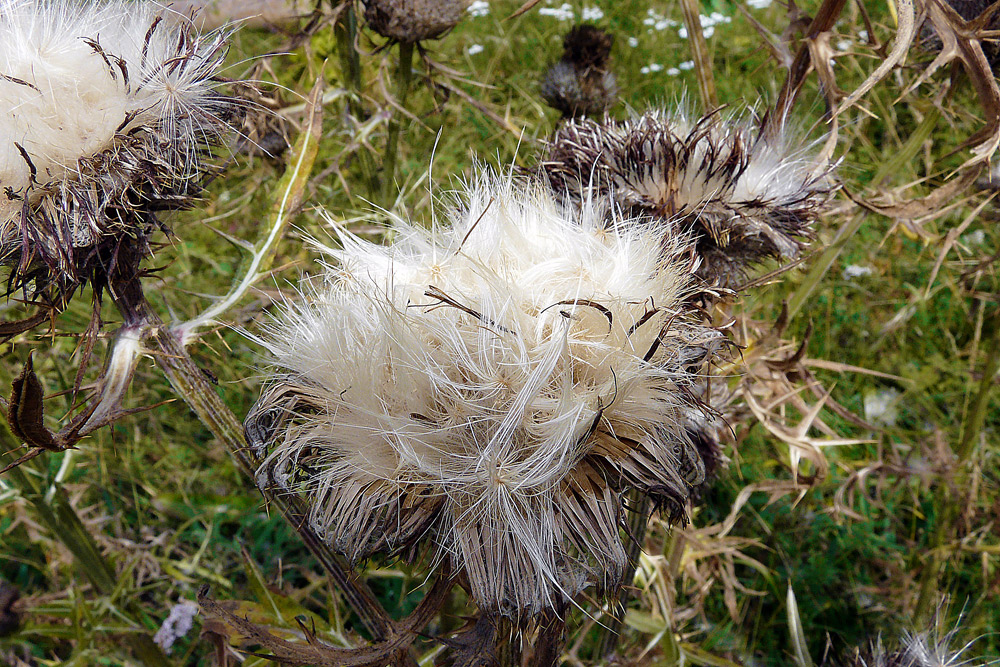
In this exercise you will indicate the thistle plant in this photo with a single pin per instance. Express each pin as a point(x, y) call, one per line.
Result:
point(484, 392)
point(412, 21)
point(111, 115)
point(743, 195)
point(581, 83)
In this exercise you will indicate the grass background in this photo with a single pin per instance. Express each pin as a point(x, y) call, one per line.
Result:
point(165, 503)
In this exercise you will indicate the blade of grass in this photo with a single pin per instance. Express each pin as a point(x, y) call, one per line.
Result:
point(64, 525)
point(826, 259)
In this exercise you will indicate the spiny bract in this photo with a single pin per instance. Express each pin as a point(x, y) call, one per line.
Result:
point(489, 387)
point(744, 196)
point(106, 116)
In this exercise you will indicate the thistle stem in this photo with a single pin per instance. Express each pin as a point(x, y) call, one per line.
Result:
point(611, 632)
point(64, 524)
point(191, 384)
point(345, 30)
point(403, 78)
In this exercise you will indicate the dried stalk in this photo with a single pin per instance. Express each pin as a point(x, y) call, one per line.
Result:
point(702, 60)
point(191, 384)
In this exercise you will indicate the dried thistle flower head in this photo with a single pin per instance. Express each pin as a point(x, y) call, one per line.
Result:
point(489, 388)
point(411, 21)
point(107, 116)
point(744, 195)
point(580, 83)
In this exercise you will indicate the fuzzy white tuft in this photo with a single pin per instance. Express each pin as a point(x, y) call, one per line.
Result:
point(496, 384)
point(103, 106)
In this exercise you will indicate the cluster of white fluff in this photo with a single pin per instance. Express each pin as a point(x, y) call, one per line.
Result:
point(104, 105)
point(746, 195)
point(918, 649)
point(493, 384)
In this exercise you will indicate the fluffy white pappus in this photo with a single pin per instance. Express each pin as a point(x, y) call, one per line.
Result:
point(918, 649)
point(104, 106)
point(492, 385)
point(745, 194)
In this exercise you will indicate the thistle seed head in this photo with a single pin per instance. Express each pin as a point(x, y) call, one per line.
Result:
point(488, 390)
point(108, 115)
point(411, 21)
point(580, 83)
point(744, 196)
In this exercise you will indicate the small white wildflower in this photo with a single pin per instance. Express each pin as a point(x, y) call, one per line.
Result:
point(759, 4)
point(591, 14)
point(708, 32)
point(673, 71)
point(852, 271)
point(881, 406)
point(479, 8)
point(474, 49)
point(686, 65)
point(844, 44)
point(562, 13)
point(977, 237)
point(682, 33)
point(652, 67)
point(863, 35)
point(177, 624)
point(633, 42)
point(488, 390)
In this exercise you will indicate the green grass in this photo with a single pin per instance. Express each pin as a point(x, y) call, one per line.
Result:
point(164, 501)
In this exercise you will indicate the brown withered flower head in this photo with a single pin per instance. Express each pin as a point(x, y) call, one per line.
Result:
point(581, 83)
point(485, 392)
point(743, 196)
point(411, 21)
point(107, 118)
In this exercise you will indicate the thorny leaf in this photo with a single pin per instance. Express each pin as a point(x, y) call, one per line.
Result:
point(26, 413)
point(961, 40)
point(900, 47)
point(392, 651)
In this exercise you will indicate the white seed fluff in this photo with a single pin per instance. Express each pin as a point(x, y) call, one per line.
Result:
point(75, 77)
point(493, 384)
